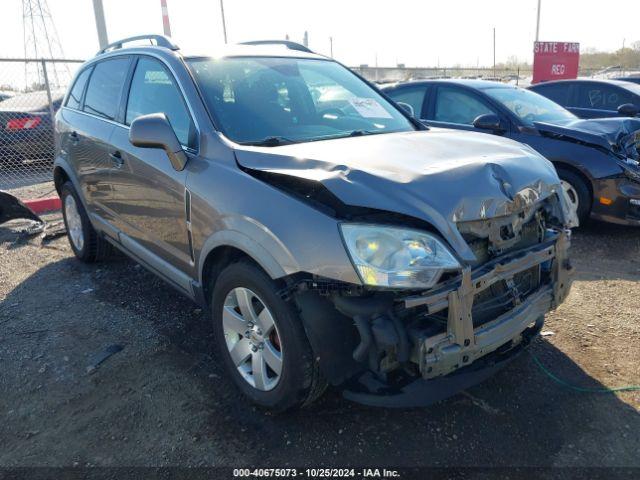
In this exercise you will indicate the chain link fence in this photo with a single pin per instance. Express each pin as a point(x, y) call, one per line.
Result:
point(517, 76)
point(31, 92)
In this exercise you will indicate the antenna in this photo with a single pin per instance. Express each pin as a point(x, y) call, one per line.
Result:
point(41, 42)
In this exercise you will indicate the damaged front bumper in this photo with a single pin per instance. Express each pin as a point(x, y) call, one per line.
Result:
point(468, 351)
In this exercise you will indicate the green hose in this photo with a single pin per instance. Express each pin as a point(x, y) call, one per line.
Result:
point(628, 388)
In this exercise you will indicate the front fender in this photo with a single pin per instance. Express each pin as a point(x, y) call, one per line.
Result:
point(256, 241)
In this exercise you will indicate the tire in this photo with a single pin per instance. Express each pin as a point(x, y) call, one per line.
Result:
point(578, 190)
point(85, 242)
point(298, 381)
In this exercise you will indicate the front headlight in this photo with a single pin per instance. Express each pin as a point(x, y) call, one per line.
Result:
point(631, 169)
point(396, 257)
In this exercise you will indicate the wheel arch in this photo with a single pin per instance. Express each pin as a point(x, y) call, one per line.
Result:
point(60, 177)
point(576, 171)
point(226, 248)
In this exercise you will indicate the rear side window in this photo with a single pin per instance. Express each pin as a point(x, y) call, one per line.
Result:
point(559, 92)
point(105, 86)
point(602, 97)
point(457, 106)
point(411, 96)
point(153, 90)
point(75, 95)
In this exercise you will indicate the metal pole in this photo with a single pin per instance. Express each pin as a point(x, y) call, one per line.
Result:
point(224, 22)
point(331, 45)
point(538, 22)
point(101, 25)
point(376, 66)
point(494, 52)
point(48, 87)
point(166, 26)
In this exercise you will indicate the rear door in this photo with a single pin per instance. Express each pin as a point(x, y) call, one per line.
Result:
point(148, 198)
point(416, 96)
point(558, 92)
point(89, 125)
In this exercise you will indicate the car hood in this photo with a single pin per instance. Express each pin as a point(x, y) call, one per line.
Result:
point(618, 135)
point(440, 176)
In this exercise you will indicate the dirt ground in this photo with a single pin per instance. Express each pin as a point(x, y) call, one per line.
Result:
point(163, 400)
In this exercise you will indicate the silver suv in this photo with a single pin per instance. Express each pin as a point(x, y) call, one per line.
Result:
point(336, 239)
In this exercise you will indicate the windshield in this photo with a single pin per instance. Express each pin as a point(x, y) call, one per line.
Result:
point(529, 106)
point(273, 101)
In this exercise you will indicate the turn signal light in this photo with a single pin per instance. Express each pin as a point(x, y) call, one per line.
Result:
point(606, 201)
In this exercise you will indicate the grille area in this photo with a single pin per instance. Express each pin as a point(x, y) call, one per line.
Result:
point(504, 296)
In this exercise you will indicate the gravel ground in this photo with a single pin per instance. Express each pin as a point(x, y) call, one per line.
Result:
point(163, 400)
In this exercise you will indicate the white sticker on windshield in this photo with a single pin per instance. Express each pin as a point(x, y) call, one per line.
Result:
point(369, 108)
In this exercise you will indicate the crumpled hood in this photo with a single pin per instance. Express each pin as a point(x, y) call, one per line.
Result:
point(616, 134)
point(440, 176)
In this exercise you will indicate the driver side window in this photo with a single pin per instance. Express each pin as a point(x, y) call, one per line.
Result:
point(454, 105)
point(153, 89)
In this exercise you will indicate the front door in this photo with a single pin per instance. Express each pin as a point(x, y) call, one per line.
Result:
point(149, 197)
point(455, 107)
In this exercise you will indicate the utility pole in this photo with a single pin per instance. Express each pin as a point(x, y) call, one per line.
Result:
point(538, 22)
point(101, 25)
point(224, 22)
point(331, 46)
point(165, 18)
point(494, 52)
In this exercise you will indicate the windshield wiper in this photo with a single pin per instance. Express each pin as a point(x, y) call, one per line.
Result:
point(354, 133)
point(273, 141)
point(361, 133)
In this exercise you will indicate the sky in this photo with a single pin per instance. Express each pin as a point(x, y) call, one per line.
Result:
point(418, 33)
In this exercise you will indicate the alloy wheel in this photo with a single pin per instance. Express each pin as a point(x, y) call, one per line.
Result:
point(74, 222)
point(252, 339)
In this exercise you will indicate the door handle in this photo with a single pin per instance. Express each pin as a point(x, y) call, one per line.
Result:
point(116, 158)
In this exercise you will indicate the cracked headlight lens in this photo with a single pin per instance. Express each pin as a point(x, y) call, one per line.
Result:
point(396, 257)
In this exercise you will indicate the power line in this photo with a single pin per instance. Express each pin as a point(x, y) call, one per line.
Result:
point(41, 41)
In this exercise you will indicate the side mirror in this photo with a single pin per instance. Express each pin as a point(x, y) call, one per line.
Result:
point(628, 110)
point(155, 131)
point(407, 108)
point(488, 121)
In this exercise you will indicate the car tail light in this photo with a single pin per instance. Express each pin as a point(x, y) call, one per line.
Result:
point(25, 123)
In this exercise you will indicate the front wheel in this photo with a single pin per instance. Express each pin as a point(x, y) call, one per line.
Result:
point(261, 340)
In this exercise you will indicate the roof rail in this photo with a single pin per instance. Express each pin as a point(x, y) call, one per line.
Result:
point(290, 45)
point(160, 40)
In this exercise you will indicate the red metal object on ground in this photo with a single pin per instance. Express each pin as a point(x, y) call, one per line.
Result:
point(555, 61)
point(42, 205)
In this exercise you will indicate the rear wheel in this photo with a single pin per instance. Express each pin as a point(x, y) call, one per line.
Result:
point(261, 341)
point(85, 242)
point(578, 193)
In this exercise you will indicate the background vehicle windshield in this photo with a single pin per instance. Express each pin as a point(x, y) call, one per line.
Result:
point(295, 100)
point(529, 106)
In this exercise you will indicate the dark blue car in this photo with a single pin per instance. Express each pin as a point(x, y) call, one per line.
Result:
point(589, 98)
point(597, 160)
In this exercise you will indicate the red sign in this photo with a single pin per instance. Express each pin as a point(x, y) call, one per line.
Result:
point(555, 61)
